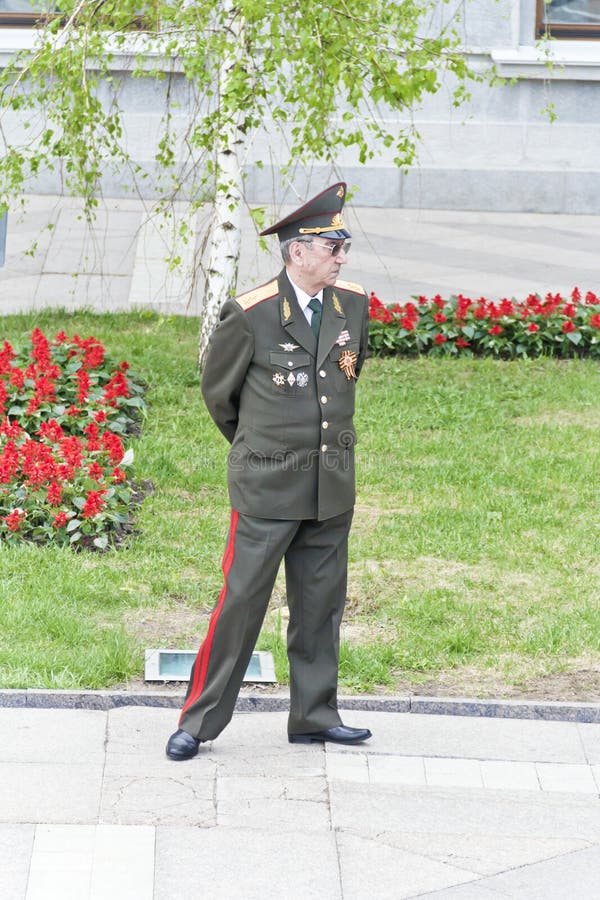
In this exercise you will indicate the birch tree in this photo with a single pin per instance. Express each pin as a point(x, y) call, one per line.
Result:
point(324, 73)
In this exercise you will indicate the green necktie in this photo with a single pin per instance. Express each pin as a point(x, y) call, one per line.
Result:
point(315, 322)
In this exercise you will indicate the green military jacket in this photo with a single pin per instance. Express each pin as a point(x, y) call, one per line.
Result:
point(286, 404)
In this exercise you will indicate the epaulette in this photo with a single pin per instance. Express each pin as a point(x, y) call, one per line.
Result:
point(257, 295)
point(350, 286)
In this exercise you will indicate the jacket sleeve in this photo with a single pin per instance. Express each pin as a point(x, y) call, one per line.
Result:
point(364, 339)
point(230, 351)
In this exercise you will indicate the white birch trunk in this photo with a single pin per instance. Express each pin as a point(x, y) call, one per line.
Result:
point(225, 240)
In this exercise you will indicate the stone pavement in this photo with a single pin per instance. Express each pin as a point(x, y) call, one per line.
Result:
point(436, 806)
point(55, 259)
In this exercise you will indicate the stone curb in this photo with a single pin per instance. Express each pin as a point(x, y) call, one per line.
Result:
point(454, 706)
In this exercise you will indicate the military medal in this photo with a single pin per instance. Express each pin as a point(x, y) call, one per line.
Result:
point(278, 379)
point(301, 379)
point(291, 379)
point(343, 338)
point(347, 361)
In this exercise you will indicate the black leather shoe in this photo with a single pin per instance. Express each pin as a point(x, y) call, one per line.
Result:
point(182, 745)
point(341, 734)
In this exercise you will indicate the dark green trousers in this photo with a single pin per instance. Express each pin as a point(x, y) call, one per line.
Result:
point(316, 563)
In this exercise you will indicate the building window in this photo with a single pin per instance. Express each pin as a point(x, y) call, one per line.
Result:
point(568, 19)
point(23, 13)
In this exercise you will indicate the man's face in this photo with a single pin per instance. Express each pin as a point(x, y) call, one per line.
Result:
point(321, 267)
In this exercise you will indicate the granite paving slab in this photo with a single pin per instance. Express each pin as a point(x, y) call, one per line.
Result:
point(456, 811)
point(16, 845)
point(45, 736)
point(372, 868)
point(465, 736)
point(575, 874)
point(50, 792)
point(251, 863)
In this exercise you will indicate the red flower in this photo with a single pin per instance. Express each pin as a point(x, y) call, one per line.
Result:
point(533, 327)
point(51, 430)
point(461, 342)
point(438, 301)
point(495, 329)
point(100, 416)
point(9, 462)
point(440, 318)
point(440, 339)
point(569, 310)
point(7, 354)
point(113, 446)
point(11, 429)
point(72, 451)
point(576, 295)
point(407, 323)
point(40, 350)
point(93, 433)
point(60, 520)
point(595, 320)
point(17, 378)
point(94, 504)
point(83, 385)
point(94, 353)
point(54, 494)
point(118, 474)
point(568, 326)
point(96, 471)
point(14, 519)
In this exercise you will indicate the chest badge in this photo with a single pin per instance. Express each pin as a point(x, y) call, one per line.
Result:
point(343, 338)
point(278, 379)
point(289, 348)
point(302, 379)
point(346, 362)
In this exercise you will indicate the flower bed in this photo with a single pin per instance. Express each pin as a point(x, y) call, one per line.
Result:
point(65, 410)
point(508, 329)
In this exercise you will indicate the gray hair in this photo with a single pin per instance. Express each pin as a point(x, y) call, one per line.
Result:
point(284, 246)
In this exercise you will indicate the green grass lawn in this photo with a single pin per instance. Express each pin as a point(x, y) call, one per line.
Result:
point(474, 554)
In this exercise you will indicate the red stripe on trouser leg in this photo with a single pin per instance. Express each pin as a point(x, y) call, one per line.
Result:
point(203, 658)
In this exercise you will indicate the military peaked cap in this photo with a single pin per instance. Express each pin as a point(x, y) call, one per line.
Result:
point(321, 217)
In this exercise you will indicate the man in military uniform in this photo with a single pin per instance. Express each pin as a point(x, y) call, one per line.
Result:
point(279, 382)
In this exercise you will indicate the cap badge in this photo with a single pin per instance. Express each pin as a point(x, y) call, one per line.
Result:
point(340, 191)
point(347, 361)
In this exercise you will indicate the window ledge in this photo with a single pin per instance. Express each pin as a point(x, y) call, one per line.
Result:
point(560, 60)
point(12, 40)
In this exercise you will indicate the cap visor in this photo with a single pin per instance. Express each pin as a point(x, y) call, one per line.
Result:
point(339, 235)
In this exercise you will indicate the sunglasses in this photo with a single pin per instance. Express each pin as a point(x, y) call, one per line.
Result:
point(335, 249)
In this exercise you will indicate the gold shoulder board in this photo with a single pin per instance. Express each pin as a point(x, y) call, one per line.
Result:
point(251, 298)
point(350, 286)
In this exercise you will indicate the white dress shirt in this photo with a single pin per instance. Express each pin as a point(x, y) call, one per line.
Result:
point(304, 299)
